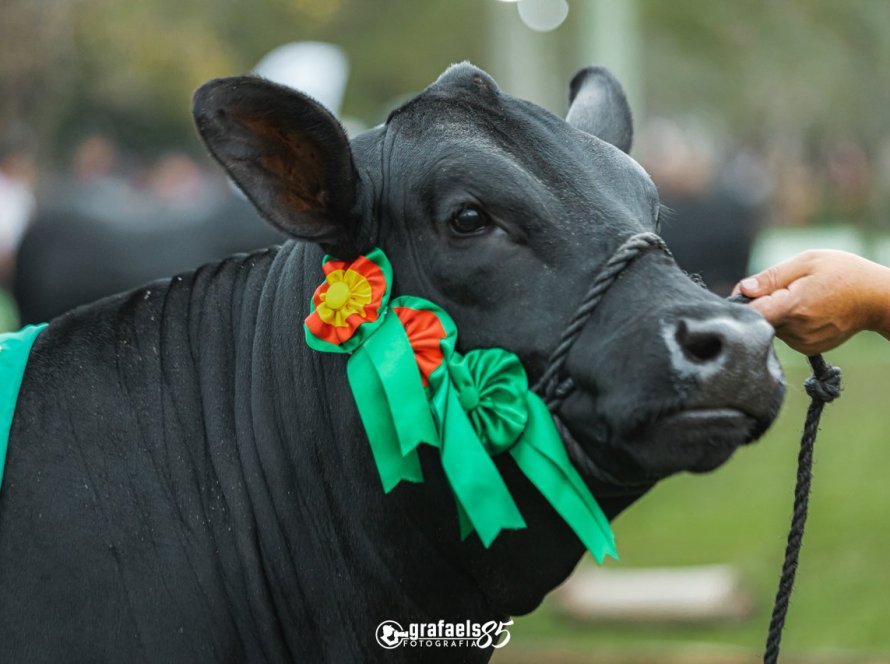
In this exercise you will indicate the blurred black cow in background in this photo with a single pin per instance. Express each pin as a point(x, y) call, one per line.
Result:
point(710, 234)
point(714, 205)
point(71, 257)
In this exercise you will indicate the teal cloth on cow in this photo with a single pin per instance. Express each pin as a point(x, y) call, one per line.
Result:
point(391, 401)
point(15, 347)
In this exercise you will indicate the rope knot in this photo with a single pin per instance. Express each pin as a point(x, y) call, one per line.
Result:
point(825, 383)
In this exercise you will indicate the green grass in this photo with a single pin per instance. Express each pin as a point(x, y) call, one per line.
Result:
point(9, 315)
point(740, 515)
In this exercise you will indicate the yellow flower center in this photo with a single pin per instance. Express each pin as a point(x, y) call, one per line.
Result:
point(337, 295)
point(347, 294)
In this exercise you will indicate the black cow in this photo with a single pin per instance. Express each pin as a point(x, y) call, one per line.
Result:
point(711, 233)
point(188, 482)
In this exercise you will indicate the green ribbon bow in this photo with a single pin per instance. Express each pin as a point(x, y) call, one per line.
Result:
point(474, 407)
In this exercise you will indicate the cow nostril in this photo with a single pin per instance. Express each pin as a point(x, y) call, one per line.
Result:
point(703, 347)
point(698, 345)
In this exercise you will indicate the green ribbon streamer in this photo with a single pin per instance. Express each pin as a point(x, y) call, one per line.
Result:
point(485, 503)
point(541, 455)
point(392, 403)
point(487, 409)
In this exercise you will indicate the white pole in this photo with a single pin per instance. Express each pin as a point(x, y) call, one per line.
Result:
point(610, 36)
point(520, 59)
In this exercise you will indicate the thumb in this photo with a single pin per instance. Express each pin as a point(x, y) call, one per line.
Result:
point(773, 278)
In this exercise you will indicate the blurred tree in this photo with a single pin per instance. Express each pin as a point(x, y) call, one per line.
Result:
point(35, 59)
point(788, 72)
point(129, 68)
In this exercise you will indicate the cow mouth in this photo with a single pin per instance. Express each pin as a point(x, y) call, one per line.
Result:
point(697, 439)
point(704, 438)
point(698, 424)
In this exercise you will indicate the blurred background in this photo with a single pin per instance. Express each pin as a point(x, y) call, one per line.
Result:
point(765, 126)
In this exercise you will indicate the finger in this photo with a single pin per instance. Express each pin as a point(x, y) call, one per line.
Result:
point(803, 347)
point(793, 340)
point(773, 278)
point(775, 307)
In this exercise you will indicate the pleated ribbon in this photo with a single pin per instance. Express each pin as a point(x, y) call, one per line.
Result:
point(411, 386)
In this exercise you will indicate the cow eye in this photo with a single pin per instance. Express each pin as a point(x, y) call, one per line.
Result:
point(469, 220)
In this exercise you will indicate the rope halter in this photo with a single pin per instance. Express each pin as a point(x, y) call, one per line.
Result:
point(552, 386)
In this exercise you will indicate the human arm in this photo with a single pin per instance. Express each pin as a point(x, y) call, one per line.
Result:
point(819, 299)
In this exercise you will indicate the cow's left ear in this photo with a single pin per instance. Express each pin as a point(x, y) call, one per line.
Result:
point(286, 152)
point(598, 106)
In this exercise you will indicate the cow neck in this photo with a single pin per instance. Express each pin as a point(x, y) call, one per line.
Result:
point(305, 522)
point(314, 528)
point(399, 553)
point(290, 447)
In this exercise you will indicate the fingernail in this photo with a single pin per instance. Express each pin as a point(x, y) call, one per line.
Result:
point(750, 284)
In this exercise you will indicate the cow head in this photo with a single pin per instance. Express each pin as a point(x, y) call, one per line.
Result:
point(503, 213)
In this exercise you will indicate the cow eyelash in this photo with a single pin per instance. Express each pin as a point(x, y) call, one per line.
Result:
point(663, 212)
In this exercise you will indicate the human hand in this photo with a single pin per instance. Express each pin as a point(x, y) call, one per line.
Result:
point(819, 299)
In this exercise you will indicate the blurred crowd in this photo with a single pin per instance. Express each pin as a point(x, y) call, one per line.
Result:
point(100, 181)
point(717, 195)
point(105, 219)
point(720, 194)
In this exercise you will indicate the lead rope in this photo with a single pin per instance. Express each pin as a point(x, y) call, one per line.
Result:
point(823, 387)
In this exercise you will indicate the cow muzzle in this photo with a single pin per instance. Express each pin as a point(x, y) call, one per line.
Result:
point(729, 359)
point(706, 382)
point(733, 387)
point(703, 387)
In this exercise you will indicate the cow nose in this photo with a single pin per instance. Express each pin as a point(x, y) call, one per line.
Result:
point(701, 347)
point(700, 342)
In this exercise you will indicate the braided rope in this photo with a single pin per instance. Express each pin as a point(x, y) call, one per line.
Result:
point(554, 391)
point(549, 387)
point(824, 386)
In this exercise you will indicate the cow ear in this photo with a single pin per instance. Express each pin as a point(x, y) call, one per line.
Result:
point(286, 152)
point(598, 106)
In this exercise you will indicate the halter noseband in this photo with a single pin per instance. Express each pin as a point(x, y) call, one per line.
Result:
point(552, 387)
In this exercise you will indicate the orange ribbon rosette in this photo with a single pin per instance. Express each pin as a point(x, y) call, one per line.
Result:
point(349, 304)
